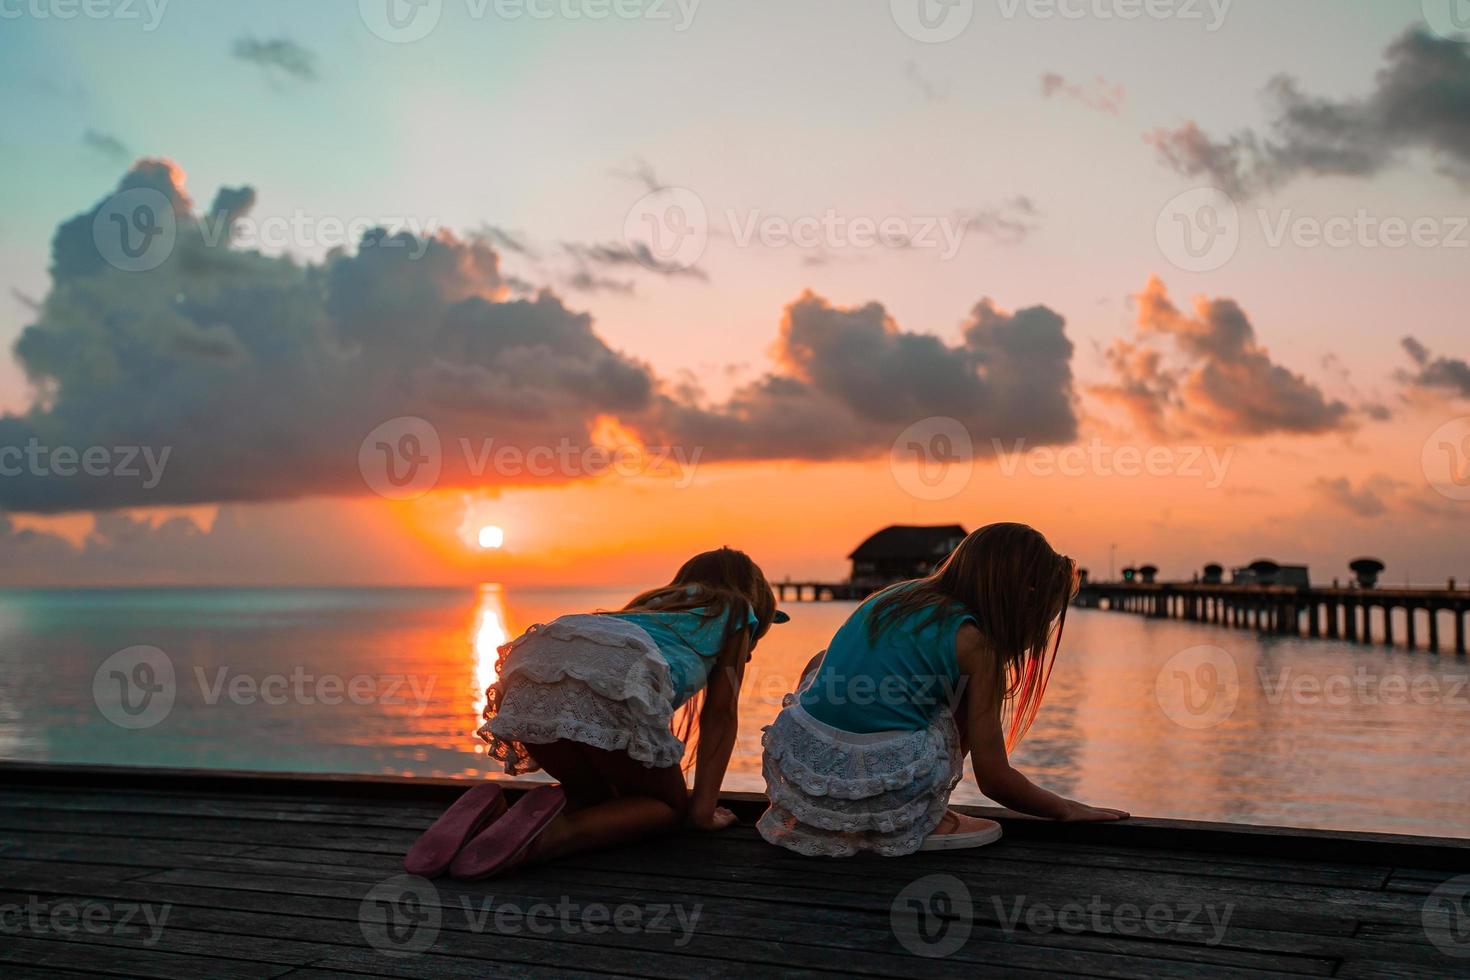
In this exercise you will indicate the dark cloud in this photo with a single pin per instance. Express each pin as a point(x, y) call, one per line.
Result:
point(261, 376)
point(1420, 101)
point(106, 144)
point(280, 54)
point(1100, 94)
point(849, 381)
point(627, 255)
point(1211, 375)
point(1450, 375)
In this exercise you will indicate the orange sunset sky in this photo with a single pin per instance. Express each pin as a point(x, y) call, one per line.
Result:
point(1192, 289)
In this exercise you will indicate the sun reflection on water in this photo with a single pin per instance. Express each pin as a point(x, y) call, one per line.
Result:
point(490, 634)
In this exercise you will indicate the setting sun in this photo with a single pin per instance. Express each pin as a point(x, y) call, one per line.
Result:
point(491, 537)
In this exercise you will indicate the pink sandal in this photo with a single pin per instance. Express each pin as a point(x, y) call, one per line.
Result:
point(500, 846)
point(432, 853)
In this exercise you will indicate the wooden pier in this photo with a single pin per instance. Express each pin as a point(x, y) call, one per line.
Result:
point(820, 591)
point(150, 873)
point(1357, 615)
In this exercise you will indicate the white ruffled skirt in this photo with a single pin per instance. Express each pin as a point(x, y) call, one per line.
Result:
point(591, 679)
point(834, 793)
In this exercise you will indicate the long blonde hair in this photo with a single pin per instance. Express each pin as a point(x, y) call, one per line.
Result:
point(711, 583)
point(1018, 588)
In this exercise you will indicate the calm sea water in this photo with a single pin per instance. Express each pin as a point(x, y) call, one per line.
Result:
point(1162, 718)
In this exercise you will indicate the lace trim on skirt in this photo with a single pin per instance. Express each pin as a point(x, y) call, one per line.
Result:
point(591, 679)
point(834, 793)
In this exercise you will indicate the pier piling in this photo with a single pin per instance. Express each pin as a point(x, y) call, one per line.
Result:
point(1334, 612)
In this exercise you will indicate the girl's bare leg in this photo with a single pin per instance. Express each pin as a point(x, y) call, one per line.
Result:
point(645, 802)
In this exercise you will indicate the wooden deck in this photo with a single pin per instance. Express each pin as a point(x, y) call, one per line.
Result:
point(148, 874)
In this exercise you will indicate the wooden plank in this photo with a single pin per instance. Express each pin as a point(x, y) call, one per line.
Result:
point(276, 879)
point(1293, 843)
point(721, 933)
point(203, 809)
point(23, 951)
point(272, 885)
point(1039, 886)
point(1372, 970)
point(751, 918)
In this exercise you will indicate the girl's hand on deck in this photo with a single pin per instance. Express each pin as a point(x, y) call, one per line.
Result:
point(717, 819)
point(1078, 812)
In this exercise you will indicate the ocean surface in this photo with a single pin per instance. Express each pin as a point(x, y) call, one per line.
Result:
point(1162, 718)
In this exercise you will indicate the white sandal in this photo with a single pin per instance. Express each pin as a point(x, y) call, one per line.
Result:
point(988, 834)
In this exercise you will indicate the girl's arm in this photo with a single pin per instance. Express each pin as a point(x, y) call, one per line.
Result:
point(718, 721)
point(987, 744)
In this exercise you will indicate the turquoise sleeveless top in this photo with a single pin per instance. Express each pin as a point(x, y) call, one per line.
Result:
point(895, 683)
point(689, 642)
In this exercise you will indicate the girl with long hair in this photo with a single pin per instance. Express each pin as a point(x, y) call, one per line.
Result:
point(592, 699)
point(865, 755)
